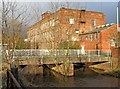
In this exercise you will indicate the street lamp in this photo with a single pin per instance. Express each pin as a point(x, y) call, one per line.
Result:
point(25, 40)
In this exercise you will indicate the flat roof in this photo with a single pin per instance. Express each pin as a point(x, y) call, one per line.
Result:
point(98, 29)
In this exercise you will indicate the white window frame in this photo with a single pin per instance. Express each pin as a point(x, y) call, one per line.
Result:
point(93, 22)
point(71, 20)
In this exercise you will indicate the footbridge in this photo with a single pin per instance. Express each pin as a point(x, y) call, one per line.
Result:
point(60, 62)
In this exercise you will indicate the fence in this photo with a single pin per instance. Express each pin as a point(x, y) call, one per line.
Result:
point(60, 53)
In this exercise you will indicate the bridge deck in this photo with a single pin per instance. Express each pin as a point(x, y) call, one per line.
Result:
point(50, 60)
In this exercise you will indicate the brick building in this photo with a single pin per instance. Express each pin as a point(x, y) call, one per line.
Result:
point(102, 38)
point(63, 25)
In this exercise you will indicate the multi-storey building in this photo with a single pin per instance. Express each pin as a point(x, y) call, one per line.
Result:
point(101, 38)
point(63, 25)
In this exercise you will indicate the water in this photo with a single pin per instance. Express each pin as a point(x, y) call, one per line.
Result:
point(81, 78)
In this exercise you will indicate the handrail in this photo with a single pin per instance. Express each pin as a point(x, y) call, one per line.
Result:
point(14, 80)
point(60, 52)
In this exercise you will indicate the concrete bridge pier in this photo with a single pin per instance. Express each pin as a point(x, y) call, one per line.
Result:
point(64, 69)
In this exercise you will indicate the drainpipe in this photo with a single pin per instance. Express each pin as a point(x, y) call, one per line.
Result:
point(117, 43)
point(100, 43)
point(117, 19)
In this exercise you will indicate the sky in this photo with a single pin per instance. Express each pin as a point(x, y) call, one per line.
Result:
point(65, 0)
point(108, 8)
point(119, 11)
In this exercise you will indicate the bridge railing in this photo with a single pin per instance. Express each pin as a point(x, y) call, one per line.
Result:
point(60, 53)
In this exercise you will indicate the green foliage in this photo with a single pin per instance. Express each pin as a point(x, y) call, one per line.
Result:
point(64, 45)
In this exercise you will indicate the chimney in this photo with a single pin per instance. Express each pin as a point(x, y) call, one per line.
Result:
point(46, 14)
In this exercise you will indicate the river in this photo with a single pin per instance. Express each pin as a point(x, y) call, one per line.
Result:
point(86, 78)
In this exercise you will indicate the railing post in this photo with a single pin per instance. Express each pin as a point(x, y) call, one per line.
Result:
point(42, 60)
point(7, 80)
point(89, 55)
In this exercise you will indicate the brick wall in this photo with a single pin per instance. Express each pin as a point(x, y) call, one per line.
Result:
point(36, 33)
point(107, 35)
point(115, 52)
point(103, 41)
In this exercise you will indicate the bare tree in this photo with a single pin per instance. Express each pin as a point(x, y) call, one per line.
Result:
point(14, 21)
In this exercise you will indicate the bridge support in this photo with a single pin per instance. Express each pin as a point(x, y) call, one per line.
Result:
point(66, 70)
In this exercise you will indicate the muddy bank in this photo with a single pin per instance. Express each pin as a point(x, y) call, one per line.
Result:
point(113, 74)
point(106, 69)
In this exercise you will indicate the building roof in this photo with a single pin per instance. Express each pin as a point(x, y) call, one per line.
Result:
point(80, 10)
point(47, 12)
point(31, 27)
point(97, 29)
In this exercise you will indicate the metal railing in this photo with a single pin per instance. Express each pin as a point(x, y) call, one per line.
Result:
point(59, 53)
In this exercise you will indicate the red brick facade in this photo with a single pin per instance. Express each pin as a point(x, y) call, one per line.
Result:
point(100, 38)
point(116, 52)
point(53, 28)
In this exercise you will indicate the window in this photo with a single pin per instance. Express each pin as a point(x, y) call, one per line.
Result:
point(47, 24)
point(96, 35)
point(86, 37)
point(71, 20)
point(76, 31)
point(89, 37)
point(93, 22)
point(92, 36)
point(112, 42)
point(53, 22)
point(50, 23)
point(66, 31)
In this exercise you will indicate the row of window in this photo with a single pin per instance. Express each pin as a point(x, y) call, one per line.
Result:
point(71, 21)
point(53, 22)
point(76, 31)
point(49, 35)
point(89, 37)
point(48, 24)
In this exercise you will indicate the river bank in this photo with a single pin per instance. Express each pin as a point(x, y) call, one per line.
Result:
point(114, 73)
point(107, 69)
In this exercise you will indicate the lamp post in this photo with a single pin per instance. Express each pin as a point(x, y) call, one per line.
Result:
point(25, 43)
